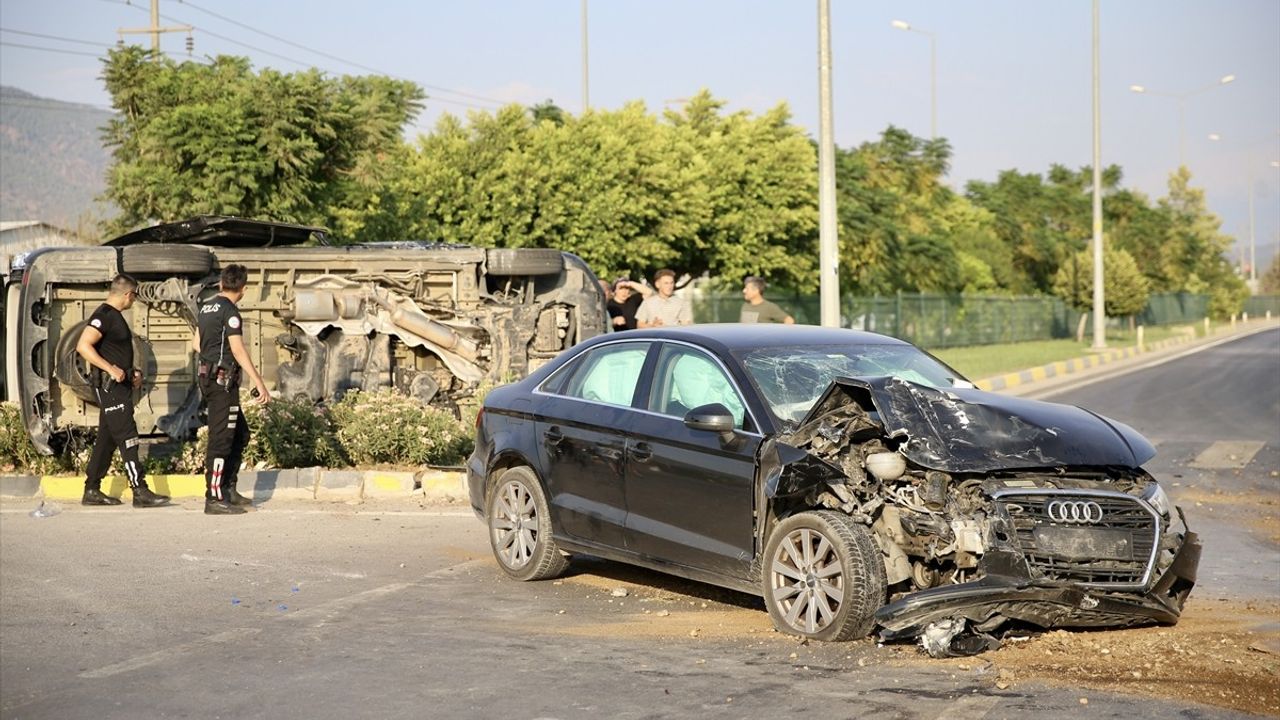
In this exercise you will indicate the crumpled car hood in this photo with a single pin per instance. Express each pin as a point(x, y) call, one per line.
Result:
point(969, 431)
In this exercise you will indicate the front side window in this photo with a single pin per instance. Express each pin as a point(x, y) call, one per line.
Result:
point(686, 378)
point(608, 374)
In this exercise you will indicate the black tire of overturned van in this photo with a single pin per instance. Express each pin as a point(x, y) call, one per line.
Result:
point(523, 261)
point(73, 372)
point(166, 260)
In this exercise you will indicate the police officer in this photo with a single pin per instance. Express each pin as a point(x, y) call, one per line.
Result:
point(106, 344)
point(222, 360)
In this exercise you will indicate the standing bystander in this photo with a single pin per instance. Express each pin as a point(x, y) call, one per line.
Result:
point(106, 344)
point(222, 359)
point(627, 297)
point(756, 309)
point(663, 307)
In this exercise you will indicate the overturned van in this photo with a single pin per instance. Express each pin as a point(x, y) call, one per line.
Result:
point(432, 321)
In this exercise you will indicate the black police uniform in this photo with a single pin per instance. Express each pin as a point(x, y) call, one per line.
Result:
point(219, 372)
point(116, 427)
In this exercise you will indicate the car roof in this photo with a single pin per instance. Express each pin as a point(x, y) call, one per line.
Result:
point(739, 336)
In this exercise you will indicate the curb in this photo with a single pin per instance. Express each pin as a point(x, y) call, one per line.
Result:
point(262, 485)
point(1081, 364)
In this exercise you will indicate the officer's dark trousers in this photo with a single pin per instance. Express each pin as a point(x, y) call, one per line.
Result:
point(116, 431)
point(228, 436)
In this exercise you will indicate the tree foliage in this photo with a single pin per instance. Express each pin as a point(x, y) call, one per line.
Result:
point(220, 139)
point(701, 189)
point(1125, 289)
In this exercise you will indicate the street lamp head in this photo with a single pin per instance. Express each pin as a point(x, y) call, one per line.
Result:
point(901, 24)
point(1227, 79)
point(1138, 88)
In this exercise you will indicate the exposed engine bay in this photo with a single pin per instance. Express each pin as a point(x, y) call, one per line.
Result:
point(987, 519)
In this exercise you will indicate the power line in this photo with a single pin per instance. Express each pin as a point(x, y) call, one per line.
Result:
point(289, 59)
point(53, 37)
point(330, 56)
point(49, 49)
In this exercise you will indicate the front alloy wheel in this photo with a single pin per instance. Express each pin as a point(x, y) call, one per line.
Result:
point(824, 578)
point(520, 528)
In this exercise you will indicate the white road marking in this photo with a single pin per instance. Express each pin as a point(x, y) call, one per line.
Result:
point(168, 653)
point(1227, 454)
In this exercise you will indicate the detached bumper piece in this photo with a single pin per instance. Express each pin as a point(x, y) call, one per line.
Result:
point(962, 619)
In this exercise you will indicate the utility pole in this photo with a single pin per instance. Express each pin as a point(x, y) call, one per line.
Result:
point(155, 29)
point(586, 98)
point(828, 242)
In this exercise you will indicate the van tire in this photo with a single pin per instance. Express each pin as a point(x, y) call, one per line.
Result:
point(524, 261)
point(166, 260)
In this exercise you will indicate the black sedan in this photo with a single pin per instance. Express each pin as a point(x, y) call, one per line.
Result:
point(849, 478)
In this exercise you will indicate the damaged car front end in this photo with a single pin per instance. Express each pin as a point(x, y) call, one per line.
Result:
point(991, 513)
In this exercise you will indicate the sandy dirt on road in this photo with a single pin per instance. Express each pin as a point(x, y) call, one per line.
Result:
point(1221, 653)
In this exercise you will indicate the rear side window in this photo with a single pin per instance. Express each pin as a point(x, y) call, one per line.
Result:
point(608, 374)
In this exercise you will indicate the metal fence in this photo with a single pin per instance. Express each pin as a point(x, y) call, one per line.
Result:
point(938, 321)
point(1259, 305)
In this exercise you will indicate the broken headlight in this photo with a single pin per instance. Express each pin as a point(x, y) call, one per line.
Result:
point(1157, 499)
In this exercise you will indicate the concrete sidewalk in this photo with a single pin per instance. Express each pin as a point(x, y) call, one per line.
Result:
point(262, 485)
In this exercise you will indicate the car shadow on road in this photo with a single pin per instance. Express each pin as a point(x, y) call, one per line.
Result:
point(583, 566)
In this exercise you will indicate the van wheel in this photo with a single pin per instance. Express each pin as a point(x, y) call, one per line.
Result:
point(523, 261)
point(166, 260)
point(520, 528)
point(824, 577)
point(72, 371)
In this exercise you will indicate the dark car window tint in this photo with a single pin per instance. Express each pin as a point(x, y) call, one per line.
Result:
point(608, 374)
point(686, 379)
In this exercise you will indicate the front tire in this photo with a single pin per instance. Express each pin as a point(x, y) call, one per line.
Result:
point(520, 528)
point(823, 577)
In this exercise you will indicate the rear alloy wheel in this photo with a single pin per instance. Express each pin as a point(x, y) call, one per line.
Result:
point(824, 577)
point(520, 528)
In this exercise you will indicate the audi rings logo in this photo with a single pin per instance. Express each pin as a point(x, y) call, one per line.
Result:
point(1075, 512)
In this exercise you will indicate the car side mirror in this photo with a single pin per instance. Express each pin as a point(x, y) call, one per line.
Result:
point(713, 417)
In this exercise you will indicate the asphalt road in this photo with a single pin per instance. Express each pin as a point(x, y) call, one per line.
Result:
point(1217, 407)
point(306, 610)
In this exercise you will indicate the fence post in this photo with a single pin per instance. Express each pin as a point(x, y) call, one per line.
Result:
point(897, 315)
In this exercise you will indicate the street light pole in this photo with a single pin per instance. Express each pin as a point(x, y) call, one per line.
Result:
point(828, 247)
point(586, 98)
point(933, 72)
point(1182, 108)
point(1099, 297)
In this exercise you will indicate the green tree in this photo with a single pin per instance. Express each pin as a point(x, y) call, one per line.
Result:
point(1270, 281)
point(194, 139)
point(1124, 286)
point(1193, 253)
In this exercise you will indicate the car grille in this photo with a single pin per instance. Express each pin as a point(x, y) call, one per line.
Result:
point(1115, 552)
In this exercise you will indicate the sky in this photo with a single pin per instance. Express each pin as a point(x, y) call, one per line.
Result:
point(1013, 76)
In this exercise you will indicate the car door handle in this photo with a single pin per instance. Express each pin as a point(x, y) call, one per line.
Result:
point(553, 437)
point(641, 452)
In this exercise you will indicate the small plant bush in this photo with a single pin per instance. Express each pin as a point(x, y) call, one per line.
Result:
point(289, 433)
point(387, 428)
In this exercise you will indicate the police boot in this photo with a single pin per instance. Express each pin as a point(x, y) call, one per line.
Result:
point(94, 496)
point(144, 498)
point(234, 497)
point(221, 507)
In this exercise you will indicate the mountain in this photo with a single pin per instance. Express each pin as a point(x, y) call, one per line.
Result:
point(52, 161)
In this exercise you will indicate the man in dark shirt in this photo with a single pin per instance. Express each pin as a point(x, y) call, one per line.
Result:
point(755, 309)
point(222, 359)
point(626, 300)
point(106, 344)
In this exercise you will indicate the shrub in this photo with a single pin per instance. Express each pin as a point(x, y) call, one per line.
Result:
point(386, 427)
point(288, 433)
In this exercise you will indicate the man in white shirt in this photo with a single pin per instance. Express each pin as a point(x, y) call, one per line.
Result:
point(663, 308)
